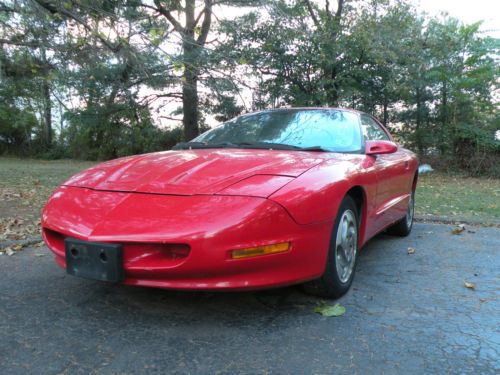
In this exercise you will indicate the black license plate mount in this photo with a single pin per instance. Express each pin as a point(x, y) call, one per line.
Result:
point(94, 260)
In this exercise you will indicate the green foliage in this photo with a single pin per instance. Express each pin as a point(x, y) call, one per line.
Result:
point(226, 108)
point(104, 133)
point(16, 127)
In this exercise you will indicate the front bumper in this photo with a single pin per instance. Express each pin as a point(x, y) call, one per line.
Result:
point(149, 226)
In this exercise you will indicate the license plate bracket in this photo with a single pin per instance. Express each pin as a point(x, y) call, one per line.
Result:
point(94, 260)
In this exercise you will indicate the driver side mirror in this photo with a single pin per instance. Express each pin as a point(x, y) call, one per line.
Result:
point(380, 147)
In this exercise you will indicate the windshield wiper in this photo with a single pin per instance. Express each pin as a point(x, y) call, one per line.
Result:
point(259, 145)
point(280, 146)
point(267, 145)
point(255, 145)
point(315, 148)
point(195, 145)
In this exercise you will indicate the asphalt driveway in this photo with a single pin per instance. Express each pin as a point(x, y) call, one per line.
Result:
point(405, 314)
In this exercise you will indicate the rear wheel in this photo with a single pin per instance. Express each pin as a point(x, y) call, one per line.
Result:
point(342, 252)
point(403, 227)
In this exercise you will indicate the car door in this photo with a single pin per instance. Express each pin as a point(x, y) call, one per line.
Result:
point(391, 198)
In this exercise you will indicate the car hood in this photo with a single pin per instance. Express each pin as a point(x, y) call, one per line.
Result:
point(202, 171)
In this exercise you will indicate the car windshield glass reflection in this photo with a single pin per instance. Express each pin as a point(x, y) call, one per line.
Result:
point(321, 130)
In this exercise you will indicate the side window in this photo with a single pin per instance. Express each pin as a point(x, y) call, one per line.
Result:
point(371, 130)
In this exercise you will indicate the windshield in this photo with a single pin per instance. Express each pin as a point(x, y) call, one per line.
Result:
point(319, 129)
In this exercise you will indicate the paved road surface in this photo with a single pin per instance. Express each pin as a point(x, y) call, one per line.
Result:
point(405, 314)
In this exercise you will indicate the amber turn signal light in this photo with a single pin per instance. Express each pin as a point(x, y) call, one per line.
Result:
point(260, 250)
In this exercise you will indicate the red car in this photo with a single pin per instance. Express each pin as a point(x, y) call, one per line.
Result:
point(267, 199)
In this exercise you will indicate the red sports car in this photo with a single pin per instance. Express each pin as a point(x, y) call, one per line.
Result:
point(267, 199)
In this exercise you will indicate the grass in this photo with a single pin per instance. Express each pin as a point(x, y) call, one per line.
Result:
point(458, 198)
point(25, 185)
point(19, 172)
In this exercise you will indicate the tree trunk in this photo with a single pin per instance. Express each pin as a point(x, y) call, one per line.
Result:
point(190, 77)
point(191, 48)
point(418, 136)
point(47, 114)
point(385, 117)
point(444, 118)
point(47, 105)
point(332, 87)
point(190, 102)
point(333, 91)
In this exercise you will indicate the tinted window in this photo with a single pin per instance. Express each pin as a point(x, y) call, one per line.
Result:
point(333, 130)
point(371, 130)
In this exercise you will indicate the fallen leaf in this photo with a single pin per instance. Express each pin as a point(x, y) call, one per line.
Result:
point(469, 285)
point(17, 247)
point(458, 229)
point(330, 310)
point(411, 250)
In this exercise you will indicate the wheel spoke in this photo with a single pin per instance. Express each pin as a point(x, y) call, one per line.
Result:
point(344, 229)
point(346, 245)
point(343, 253)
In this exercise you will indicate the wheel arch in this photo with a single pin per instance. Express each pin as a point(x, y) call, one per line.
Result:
point(358, 194)
point(415, 180)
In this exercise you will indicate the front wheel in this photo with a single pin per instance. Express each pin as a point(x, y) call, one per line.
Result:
point(342, 252)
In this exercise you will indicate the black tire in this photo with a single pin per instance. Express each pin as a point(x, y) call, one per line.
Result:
point(403, 227)
point(330, 284)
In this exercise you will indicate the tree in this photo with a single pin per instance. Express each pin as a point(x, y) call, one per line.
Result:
point(115, 68)
point(29, 57)
point(193, 34)
point(114, 55)
point(432, 81)
point(465, 80)
point(308, 54)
